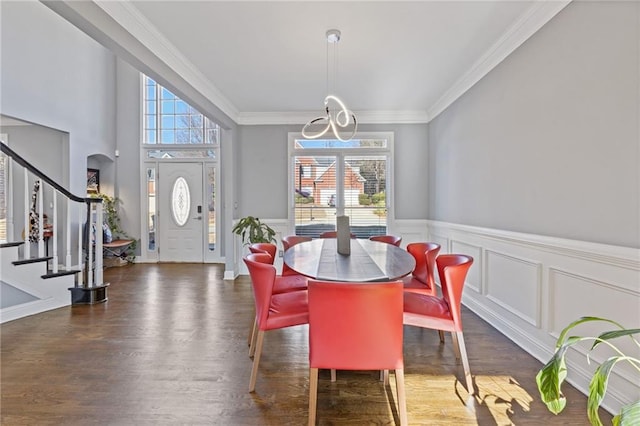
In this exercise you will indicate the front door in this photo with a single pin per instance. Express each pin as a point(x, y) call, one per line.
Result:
point(181, 229)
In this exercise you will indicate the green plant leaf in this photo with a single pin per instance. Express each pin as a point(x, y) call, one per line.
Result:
point(549, 380)
point(579, 321)
point(629, 415)
point(608, 335)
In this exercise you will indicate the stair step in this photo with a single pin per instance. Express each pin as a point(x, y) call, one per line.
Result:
point(50, 274)
point(13, 244)
point(32, 260)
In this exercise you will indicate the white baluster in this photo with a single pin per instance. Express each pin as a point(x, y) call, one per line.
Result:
point(40, 221)
point(9, 211)
point(80, 264)
point(27, 243)
point(67, 236)
point(54, 243)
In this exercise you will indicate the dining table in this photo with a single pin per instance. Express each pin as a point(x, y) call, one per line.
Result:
point(368, 261)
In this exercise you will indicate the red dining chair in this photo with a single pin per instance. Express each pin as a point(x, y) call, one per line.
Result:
point(333, 234)
point(288, 242)
point(421, 279)
point(268, 248)
point(355, 326)
point(282, 284)
point(273, 311)
point(291, 240)
point(443, 313)
point(389, 239)
point(291, 282)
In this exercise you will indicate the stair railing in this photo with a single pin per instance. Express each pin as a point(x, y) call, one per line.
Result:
point(88, 210)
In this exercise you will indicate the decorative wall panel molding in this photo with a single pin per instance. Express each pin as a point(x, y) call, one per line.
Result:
point(533, 286)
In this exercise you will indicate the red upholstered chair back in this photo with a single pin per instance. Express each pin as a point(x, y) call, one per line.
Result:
point(291, 240)
point(425, 255)
point(268, 248)
point(389, 239)
point(452, 269)
point(263, 276)
point(333, 234)
point(288, 242)
point(355, 326)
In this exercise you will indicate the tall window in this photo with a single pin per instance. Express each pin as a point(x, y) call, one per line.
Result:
point(170, 120)
point(329, 178)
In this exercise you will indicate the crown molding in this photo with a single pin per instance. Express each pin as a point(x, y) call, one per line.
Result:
point(137, 25)
point(363, 117)
point(529, 23)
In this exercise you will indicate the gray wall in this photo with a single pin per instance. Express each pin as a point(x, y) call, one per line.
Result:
point(56, 76)
point(548, 142)
point(262, 165)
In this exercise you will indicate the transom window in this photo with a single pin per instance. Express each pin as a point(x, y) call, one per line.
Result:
point(170, 120)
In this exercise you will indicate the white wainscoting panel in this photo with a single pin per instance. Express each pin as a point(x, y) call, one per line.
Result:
point(514, 284)
point(533, 286)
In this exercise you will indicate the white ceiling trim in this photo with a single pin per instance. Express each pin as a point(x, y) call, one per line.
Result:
point(137, 25)
point(363, 117)
point(529, 23)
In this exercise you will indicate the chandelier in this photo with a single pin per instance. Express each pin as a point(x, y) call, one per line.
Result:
point(337, 116)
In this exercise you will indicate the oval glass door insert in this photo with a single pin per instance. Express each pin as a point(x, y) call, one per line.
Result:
point(180, 201)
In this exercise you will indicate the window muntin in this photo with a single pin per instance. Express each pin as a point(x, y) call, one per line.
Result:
point(170, 120)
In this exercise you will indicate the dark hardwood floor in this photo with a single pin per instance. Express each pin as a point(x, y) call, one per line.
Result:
point(170, 348)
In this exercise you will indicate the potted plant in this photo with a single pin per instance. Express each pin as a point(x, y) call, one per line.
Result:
point(112, 220)
point(549, 379)
point(251, 230)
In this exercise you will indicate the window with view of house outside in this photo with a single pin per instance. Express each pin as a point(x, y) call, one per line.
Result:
point(331, 178)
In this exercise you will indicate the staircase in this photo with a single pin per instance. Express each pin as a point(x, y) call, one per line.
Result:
point(31, 282)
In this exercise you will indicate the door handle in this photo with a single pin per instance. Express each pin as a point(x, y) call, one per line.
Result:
point(197, 217)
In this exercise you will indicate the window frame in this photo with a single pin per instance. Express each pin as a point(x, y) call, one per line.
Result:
point(340, 154)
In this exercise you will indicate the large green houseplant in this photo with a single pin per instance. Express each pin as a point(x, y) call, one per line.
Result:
point(551, 376)
point(251, 230)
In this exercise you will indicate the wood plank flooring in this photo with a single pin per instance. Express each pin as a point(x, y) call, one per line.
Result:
point(169, 347)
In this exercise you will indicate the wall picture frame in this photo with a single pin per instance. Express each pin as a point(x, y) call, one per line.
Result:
point(93, 181)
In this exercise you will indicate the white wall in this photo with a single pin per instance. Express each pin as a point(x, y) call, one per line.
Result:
point(56, 76)
point(548, 142)
point(262, 166)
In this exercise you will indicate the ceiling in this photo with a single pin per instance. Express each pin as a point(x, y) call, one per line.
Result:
point(261, 61)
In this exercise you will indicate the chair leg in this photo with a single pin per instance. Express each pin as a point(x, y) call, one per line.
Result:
point(441, 334)
point(384, 376)
point(465, 362)
point(256, 360)
point(402, 399)
point(252, 338)
point(313, 395)
point(456, 345)
point(333, 375)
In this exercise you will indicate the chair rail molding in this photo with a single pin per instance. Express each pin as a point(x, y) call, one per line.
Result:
point(529, 287)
